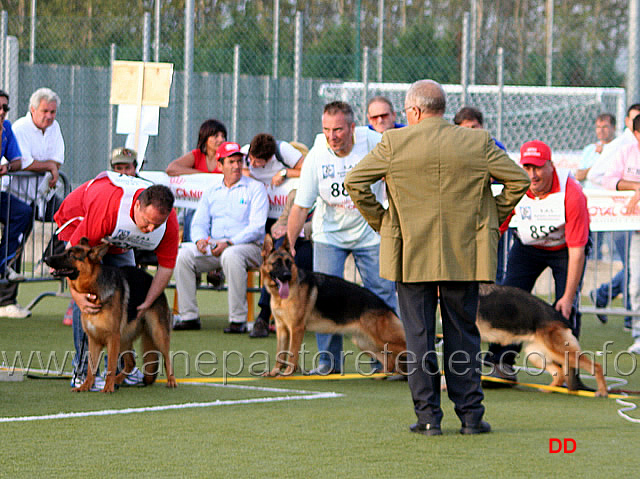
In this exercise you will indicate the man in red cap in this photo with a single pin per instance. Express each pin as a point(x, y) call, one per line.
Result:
point(552, 230)
point(227, 232)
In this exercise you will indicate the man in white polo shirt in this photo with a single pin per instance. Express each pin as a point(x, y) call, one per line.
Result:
point(40, 139)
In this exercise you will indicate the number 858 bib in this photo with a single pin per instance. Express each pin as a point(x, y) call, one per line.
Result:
point(541, 222)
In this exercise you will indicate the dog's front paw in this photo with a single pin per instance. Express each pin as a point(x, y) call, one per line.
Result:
point(171, 382)
point(271, 374)
point(109, 385)
point(599, 394)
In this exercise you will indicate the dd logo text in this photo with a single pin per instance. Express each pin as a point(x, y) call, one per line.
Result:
point(566, 445)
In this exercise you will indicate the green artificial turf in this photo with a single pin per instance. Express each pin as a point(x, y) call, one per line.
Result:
point(361, 433)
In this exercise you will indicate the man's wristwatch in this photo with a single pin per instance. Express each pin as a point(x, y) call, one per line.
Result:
point(283, 172)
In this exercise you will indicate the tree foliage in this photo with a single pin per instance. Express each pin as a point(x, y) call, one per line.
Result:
point(421, 37)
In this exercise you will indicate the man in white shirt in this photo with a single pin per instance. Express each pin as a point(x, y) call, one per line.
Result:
point(228, 231)
point(40, 139)
point(338, 227)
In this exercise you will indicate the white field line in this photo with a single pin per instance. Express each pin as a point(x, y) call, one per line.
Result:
point(300, 395)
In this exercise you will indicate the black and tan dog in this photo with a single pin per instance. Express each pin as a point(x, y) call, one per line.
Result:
point(318, 302)
point(303, 300)
point(119, 291)
point(509, 315)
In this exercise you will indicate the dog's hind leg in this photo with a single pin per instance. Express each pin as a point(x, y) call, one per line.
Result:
point(383, 335)
point(537, 355)
point(564, 349)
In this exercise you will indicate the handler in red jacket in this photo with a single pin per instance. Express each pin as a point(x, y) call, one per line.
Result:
point(129, 212)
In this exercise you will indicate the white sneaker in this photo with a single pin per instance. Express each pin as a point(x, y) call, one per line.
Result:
point(134, 378)
point(635, 347)
point(12, 276)
point(98, 383)
point(14, 311)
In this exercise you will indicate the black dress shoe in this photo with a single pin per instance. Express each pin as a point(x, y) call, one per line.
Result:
point(426, 429)
point(480, 428)
point(236, 328)
point(260, 329)
point(188, 324)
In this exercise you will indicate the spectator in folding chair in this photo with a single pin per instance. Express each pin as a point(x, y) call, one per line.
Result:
point(228, 231)
point(16, 215)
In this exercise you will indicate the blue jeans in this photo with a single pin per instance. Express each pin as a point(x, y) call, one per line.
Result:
point(80, 342)
point(621, 242)
point(15, 214)
point(330, 259)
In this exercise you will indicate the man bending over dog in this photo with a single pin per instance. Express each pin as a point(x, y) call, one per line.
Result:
point(439, 240)
point(130, 213)
point(552, 231)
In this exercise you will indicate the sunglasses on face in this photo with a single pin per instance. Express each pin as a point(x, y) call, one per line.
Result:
point(5, 107)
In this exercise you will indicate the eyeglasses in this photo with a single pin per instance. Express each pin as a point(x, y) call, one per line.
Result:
point(382, 116)
point(5, 107)
point(409, 108)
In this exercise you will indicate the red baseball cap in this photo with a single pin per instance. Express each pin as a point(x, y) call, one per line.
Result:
point(535, 153)
point(228, 148)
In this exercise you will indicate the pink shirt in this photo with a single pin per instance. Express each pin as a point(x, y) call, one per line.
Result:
point(625, 167)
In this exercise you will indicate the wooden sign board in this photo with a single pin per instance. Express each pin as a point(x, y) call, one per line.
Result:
point(139, 83)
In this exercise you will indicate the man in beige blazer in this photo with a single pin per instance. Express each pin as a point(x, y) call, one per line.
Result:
point(438, 241)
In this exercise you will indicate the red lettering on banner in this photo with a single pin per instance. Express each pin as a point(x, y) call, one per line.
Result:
point(183, 193)
point(176, 179)
point(552, 441)
point(278, 200)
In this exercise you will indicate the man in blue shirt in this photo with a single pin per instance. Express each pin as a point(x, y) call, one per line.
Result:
point(16, 217)
point(228, 231)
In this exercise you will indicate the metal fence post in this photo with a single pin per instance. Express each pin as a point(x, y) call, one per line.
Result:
point(633, 68)
point(4, 29)
point(12, 70)
point(365, 83)
point(146, 37)
point(464, 66)
point(32, 39)
point(236, 80)
point(472, 37)
point(297, 75)
point(380, 37)
point(112, 58)
point(549, 42)
point(500, 82)
point(156, 39)
point(189, 13)
point(272, 99)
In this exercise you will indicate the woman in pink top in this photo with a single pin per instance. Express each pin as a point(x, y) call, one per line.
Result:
point(201, 160)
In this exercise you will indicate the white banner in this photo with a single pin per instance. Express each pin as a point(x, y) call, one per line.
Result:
point(188, 189)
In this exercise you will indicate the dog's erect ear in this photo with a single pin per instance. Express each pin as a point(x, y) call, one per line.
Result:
point(84, 241)
point(267, 246)
point(97, 252)
point(286, 246)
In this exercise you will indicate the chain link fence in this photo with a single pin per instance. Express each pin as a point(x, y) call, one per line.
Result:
point(405, 41)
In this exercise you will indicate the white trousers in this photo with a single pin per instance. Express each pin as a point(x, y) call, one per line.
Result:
point(235, 261)
point(634, 281)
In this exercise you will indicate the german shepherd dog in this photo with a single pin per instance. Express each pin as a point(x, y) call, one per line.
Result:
point(509, 315)
point(303, 300)
point(119, 291)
